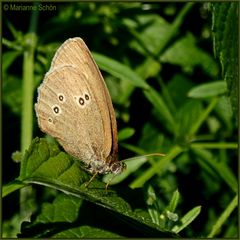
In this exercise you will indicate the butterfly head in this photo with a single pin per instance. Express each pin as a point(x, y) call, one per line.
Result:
point(117, 167)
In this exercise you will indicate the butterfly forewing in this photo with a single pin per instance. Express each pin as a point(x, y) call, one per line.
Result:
point(65, 106)
point(75, 52)
point(75, 107)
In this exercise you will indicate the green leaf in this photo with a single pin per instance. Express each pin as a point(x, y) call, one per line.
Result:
point(221, 168)
point(119, 70)
point(63, 223)
point(123, 72)
point(187, 116)
point(174, 202)
point(86, 232)
point(158, 168)
point(156, 32)
point(203, 116)
point(53, 212)
point(225, 113)
point(10, 228)
point(207, 90)
point(152, 140)
point(162, 109)
point(178, 87)
point(17, 156)
point(12, 97)
point(228, 176)
point(45, 164)
point(225, 36)
point(125, 133)
point(11, 187)
point(8, 58)
point(224, 217)
point(187, 54)
point(145, 71)
point(120, 91)
point(187, 219)
point(151, 196)
point(151, 200)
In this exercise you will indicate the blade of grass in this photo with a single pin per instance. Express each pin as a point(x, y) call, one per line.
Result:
point(176, 24)
point(203, 116)
point(223, 218)
point(174, 202)
point(119, 70)
point(221, 168)
point(220, 145)
point(187, 219)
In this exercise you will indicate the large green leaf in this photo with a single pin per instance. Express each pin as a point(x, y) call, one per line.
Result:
point(206, 90)
point(186, 54)
point(53, 220)
point(45, 164)
point(226, 42)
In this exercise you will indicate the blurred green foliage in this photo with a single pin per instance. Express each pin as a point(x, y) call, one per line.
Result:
point(170, 96)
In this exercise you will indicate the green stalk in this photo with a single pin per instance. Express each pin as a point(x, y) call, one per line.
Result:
point(29, 46)
point(175, 26)
point(223, 218)
point(27, 116)
point(27, 93)
point(220, 145)
point(26, 194)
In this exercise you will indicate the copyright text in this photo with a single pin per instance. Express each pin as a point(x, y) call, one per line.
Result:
point(20, 7)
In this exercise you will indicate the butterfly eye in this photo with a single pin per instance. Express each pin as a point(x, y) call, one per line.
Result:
point(86, 97)
point(81, 101)
point(50, 120)
point(56, 109)
point(61, 97)
point(117, 167)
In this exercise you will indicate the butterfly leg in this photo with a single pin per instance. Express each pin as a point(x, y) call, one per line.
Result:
point(107, 184)
point(94, 175)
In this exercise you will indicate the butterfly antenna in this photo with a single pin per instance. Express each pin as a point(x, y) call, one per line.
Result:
point(154, 154)
point(146, 155)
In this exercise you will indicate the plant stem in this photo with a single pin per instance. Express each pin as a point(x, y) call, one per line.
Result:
point(223, 218)
point(175, 26)
point(27, 93)
point(215, 145)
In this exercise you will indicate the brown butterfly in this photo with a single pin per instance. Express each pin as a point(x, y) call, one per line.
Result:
point(74, 106)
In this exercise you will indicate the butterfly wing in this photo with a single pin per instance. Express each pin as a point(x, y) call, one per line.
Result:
point(75, 52)
point(68, 110)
